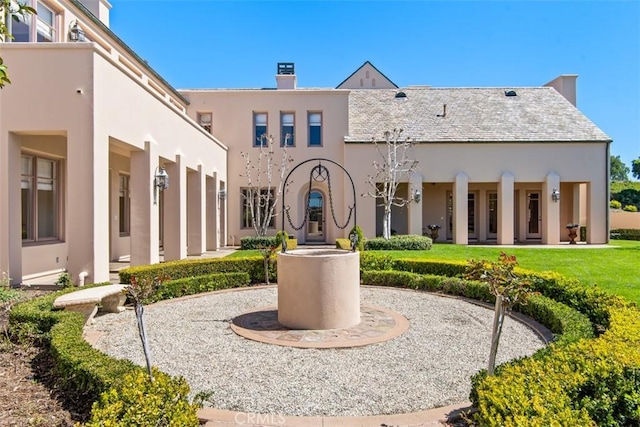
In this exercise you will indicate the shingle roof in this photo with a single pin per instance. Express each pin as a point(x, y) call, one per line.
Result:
point(537, 114)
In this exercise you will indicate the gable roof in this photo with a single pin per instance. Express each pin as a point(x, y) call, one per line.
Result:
point(537, 114)
point(365, 65)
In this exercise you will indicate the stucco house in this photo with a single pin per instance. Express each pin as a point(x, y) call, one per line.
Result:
point(89, 132)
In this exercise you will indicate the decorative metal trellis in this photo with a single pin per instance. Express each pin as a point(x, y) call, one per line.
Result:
point(319, 173)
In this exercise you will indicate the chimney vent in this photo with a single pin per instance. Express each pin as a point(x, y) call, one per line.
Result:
point(286, 77)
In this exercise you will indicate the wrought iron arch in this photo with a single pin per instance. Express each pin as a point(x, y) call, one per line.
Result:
point(319, 173)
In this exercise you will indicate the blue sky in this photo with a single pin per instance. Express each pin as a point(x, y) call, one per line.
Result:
point(237, 44)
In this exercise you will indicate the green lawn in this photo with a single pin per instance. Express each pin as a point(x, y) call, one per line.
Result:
point(615, 269)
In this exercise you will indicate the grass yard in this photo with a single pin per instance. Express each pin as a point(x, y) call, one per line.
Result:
point(615, 269)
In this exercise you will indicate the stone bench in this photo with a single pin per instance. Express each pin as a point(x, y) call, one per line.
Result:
point(110, 298)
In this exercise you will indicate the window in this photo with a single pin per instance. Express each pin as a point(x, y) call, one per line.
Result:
point(315, 129)
point(287, 131)
point(204, 120)
point(41, 27)
point(262, 202)
point(260, 129)
point(40, 199)
point(124, 209)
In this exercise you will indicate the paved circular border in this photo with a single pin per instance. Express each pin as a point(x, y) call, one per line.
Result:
point(377, 325)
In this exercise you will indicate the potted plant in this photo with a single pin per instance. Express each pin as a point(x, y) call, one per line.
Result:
point(433, 231)
point(573, 232)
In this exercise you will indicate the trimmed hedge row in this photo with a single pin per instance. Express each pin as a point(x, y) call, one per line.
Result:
point(625, 234)
point(399, 243)
point(78, 367)
point(198, 284)
point(200, 267)
point(569, 324)
point(574, 381)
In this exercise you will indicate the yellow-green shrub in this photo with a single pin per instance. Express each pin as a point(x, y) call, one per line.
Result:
point(138, 402)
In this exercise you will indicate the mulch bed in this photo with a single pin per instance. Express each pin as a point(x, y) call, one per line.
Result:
point(27, 393)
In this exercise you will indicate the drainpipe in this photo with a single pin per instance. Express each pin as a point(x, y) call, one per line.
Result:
point(81, 278)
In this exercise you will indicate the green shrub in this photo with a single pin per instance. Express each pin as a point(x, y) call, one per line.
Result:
point(399, 243)
point(614, 204)
point(630, 208)
point(361, 239)
point(279, 235)
point(200, 267)
point(138, 402)
point(430, 266)
point(378, 261)
point(625, 234)
point(259, 242)
point(198, 284)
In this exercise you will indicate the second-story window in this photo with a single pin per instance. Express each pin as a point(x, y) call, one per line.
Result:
point(260, 129)
point(41, 27)
point(287, 131)
point(315, 129)
point(204, 120)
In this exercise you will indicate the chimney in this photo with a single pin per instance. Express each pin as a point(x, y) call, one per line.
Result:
point(286, 77)
point(99, 8)
point(566, 86)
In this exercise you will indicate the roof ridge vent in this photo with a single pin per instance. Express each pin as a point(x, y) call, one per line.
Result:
point(510, 93)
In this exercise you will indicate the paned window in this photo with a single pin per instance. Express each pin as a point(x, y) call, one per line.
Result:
point(204, 119)
point(287, 131)
point(260, 129)
point(40, 199)
point(41, 27)
point(315, 129)
point(256, 204)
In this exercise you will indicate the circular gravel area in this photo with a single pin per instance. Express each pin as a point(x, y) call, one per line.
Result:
point(426, 367)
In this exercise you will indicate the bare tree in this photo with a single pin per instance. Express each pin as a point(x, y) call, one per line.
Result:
point(265, 181)
point(396, 165)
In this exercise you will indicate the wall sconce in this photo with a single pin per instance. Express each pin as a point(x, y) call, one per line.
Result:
point(76, 34)
point(416, 196)
point(222, 194)
point(555, 195)
point(160, 182)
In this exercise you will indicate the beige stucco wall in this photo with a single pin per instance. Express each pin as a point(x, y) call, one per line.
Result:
point(232, 117)
point(104, 109)
point(529, 163)
point(622, 219)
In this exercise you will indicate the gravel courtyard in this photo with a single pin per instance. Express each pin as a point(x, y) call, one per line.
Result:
point(428, 366)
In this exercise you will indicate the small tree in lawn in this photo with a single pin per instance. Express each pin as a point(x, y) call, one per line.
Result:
point(395, 165)
point(508, 288)
point(10, 10)
point(265, 176)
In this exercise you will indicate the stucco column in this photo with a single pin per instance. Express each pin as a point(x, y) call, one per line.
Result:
point(211, 212)
point(144, 206)
point(550, 210)
point(87, 216)
point(506, 205)
point(597, 212)
point(10, 213)
point(415, 208)
point(461, 209)
point(196, 214)
point(175, 211)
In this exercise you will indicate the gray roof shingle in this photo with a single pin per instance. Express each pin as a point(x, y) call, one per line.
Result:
point(538, 114)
